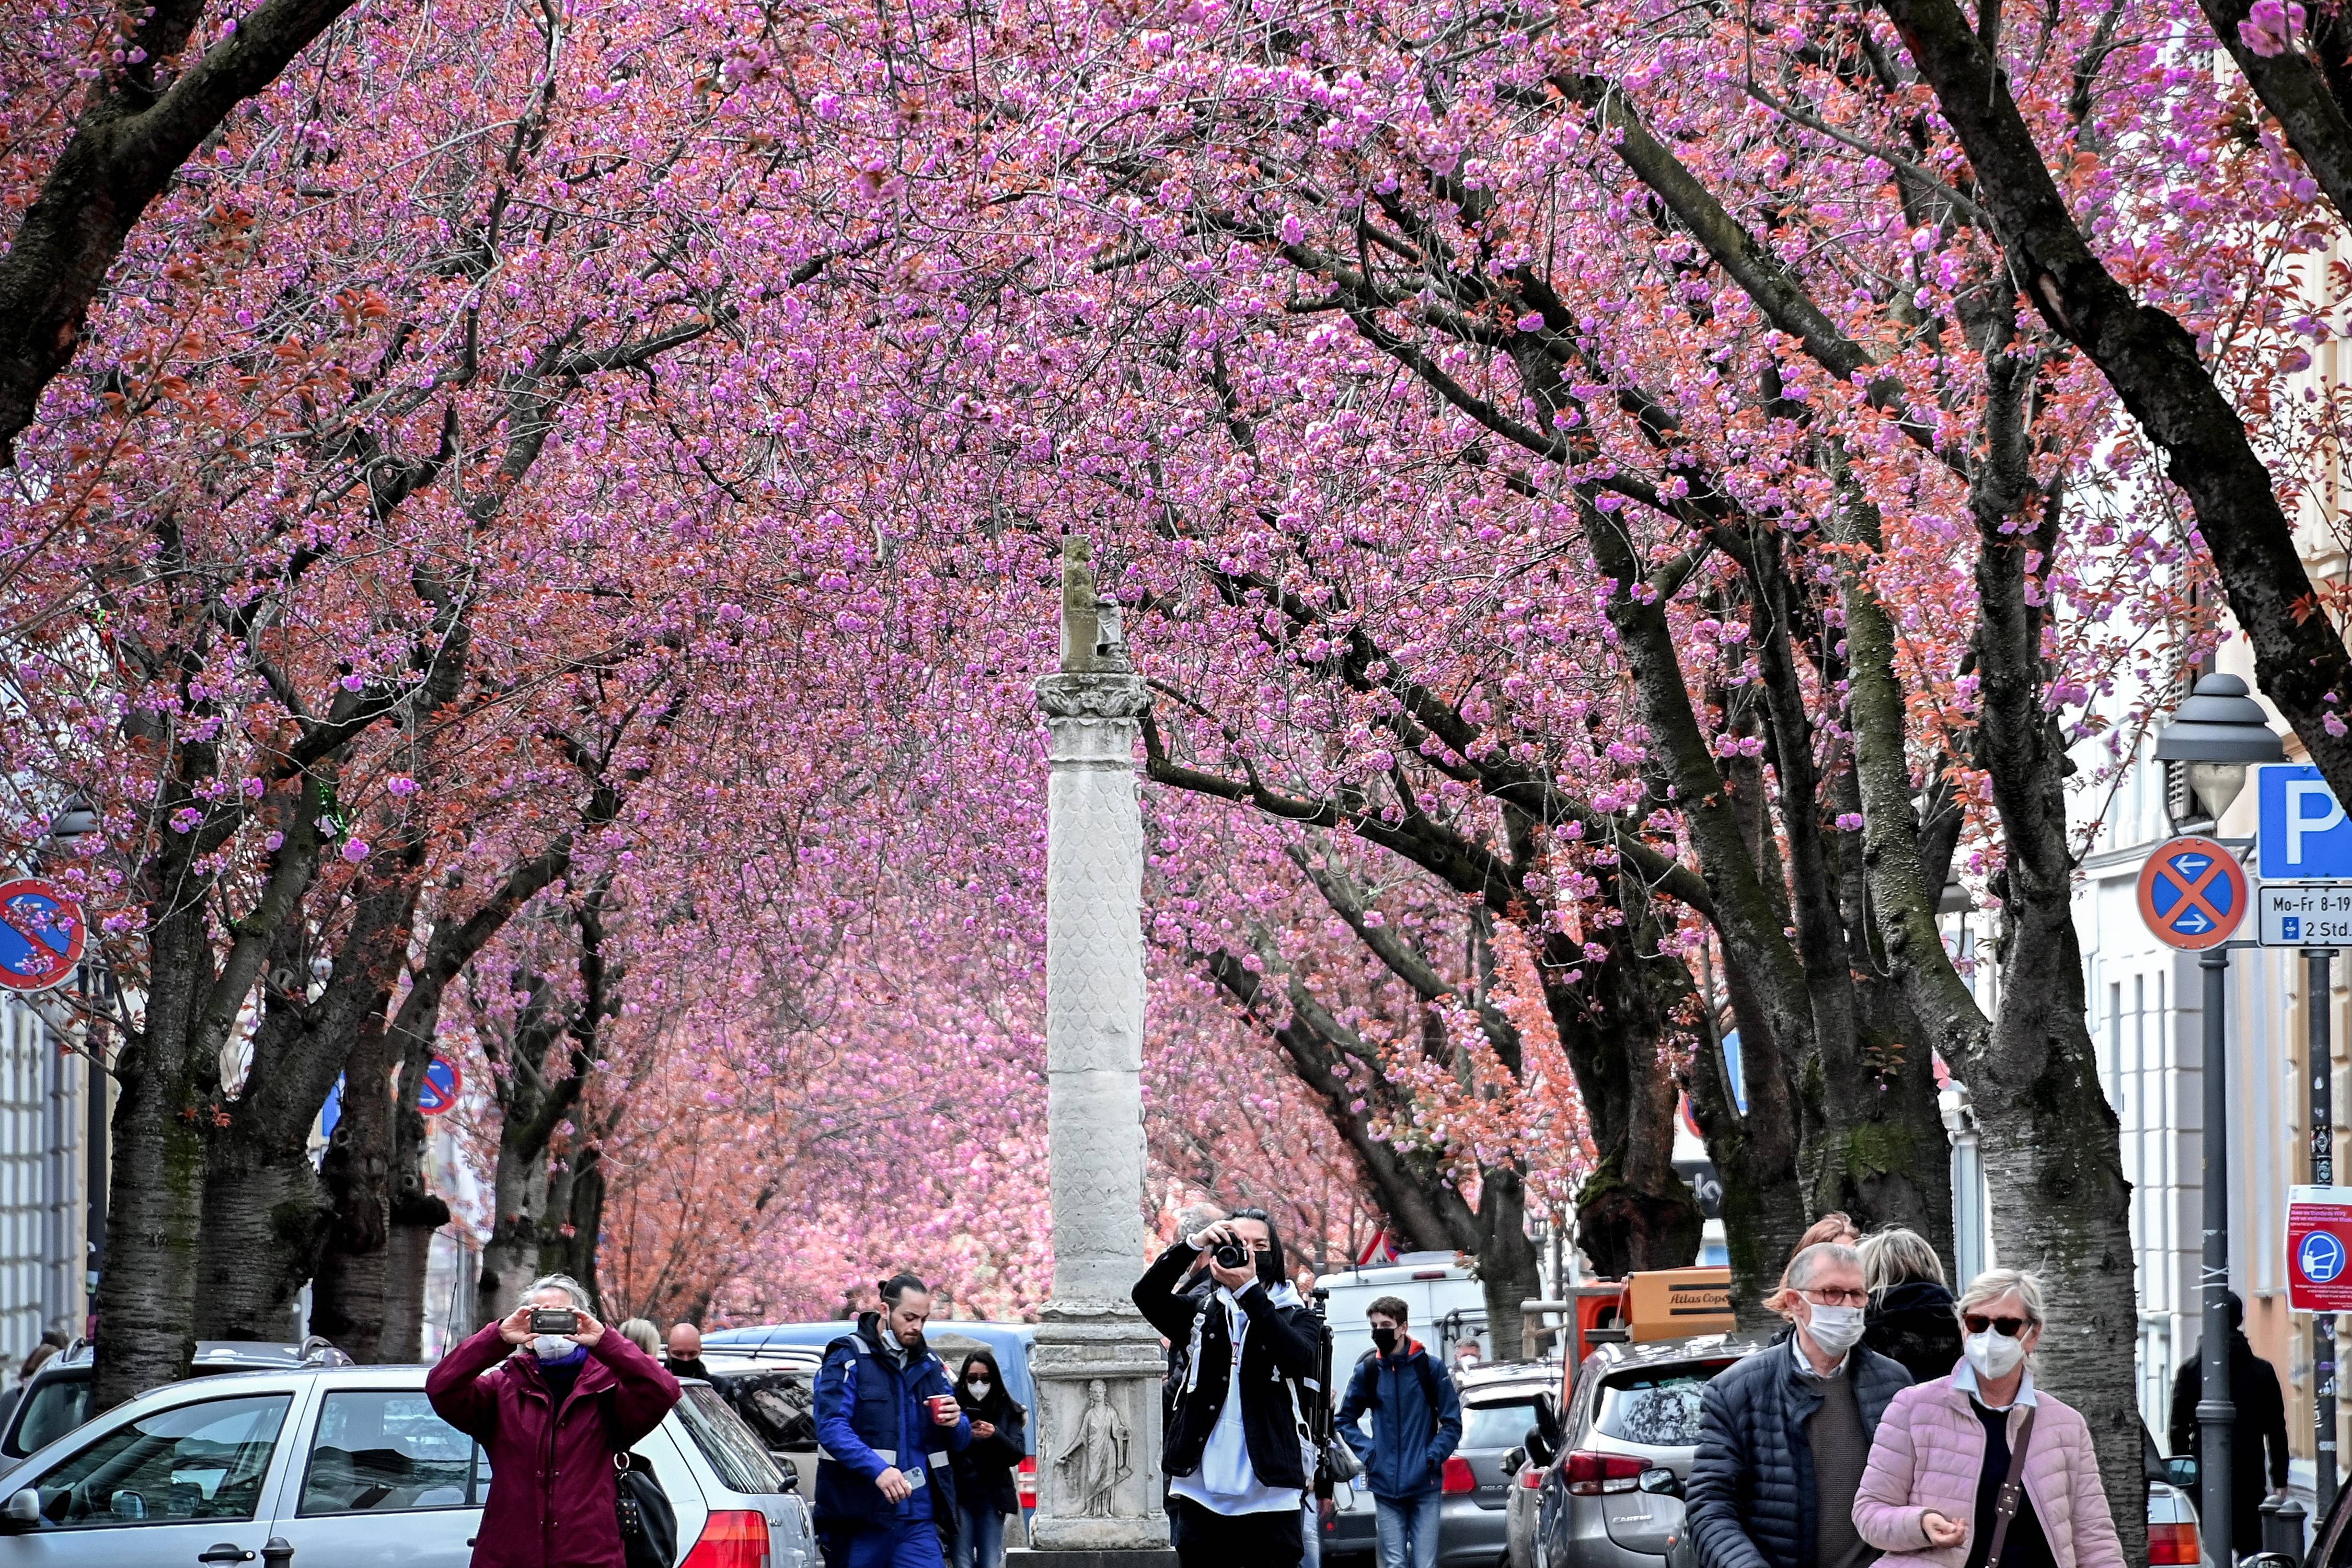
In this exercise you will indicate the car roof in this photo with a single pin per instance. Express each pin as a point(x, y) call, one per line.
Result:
point(1697, 1347)
point(1495, 1375)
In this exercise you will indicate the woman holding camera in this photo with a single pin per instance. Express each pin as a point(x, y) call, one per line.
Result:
point(553, 1397)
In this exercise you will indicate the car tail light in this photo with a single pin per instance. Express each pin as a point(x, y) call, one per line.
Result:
point(1457, 1477)
point(732, 1538)
point(1589, 1474)
point(1028, 1481)
point(2173, 1543)
point(1531, 1478)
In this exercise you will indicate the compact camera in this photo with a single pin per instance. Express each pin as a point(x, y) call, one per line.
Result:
point(554, 1320)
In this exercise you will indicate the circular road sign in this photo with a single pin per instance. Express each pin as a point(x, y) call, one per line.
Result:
point(2192, 893)
point(2320, 1258)
point(40, 934)
point(443, 1083)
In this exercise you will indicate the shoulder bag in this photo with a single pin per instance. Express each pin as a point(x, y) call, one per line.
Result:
point(2012, 1491)
point(648, 1523)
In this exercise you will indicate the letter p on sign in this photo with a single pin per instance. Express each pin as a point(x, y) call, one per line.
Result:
point(2302, 832)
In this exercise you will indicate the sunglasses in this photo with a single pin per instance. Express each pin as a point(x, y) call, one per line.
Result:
point(2007, 1328)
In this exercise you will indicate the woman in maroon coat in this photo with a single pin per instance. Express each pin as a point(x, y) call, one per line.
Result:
point(553, 1416)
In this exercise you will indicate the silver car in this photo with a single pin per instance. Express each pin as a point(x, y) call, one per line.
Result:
point(348, 1468)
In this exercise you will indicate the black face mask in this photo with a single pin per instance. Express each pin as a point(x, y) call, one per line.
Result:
point(1386, 1339)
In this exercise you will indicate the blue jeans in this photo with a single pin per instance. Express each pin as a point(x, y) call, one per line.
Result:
point(901, 1543)
point(980, 1537)
point(1310, 1527)
point(1408, 1528)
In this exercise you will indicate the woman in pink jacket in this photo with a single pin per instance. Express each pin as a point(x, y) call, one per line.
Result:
point(1931, 1496)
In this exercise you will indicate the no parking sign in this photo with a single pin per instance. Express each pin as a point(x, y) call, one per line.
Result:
point(2320, 1250)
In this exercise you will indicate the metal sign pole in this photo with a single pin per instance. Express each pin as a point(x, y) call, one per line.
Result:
point(2323, 1173)
point(2215, 1413)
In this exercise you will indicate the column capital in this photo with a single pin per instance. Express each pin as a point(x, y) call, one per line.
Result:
point(1093, 696)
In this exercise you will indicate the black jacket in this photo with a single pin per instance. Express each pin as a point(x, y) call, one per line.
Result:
point(984, 1471)
point(1750, 1493)
point(2261, 1422)
point(1914, 1323)
point(1281, 1346)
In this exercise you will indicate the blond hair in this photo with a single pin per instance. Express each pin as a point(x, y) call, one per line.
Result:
point(1894, 1256)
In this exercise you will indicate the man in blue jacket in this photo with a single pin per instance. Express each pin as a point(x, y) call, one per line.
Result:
point(1416, 1423)
point(1784, 1434)
point(887, 1425)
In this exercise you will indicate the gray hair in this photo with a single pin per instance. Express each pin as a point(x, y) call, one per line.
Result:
point(1194, 1218)
point(1893, 1255)
point(565, 1283)
point(1994, 1283)
point(641, 1333)
point(1814, 1258)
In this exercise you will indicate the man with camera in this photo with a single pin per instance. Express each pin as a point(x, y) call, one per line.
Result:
point(887, 1422)
point(552, 1397)
point(1236, 1440)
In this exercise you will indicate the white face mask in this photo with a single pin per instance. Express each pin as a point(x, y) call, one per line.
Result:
point(980, 1387)
point(1835, 1329)
point(550, 1347)
point(1994, 1355)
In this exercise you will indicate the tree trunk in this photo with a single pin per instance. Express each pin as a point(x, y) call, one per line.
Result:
point(511, 1257)
point(265, 1216)
point(406, 1256)
point(1509, 1267)
point(348, 1302)
point(154, 1212)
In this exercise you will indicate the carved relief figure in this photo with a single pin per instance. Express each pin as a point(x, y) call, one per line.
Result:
point(1100, 1446)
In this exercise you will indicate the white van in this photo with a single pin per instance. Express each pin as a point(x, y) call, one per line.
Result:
point(1442, 1295)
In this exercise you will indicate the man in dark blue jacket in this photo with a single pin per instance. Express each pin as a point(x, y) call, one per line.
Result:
point(886, 1426)
point(1416, 1423)
point(1783, 1435)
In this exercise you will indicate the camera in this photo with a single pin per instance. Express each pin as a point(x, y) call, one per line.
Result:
point(554, 1320)
point(1232, 1254)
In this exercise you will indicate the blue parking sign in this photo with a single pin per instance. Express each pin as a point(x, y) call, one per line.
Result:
point(2303, 832)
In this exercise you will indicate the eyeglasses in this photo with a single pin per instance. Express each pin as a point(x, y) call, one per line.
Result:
point(2007, 1328)
point(1836, 1297)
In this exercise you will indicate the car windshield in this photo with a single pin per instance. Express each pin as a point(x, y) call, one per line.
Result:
point(1656, 1406)
point(1502, 1424)
point(732, 1449)
point(51, 1409)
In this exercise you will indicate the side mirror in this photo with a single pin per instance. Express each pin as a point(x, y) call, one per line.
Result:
point(1537, 1443)
point(792, 1471)
point(1512, 1459)
point(2181, 1471)
point(1659, 1481)
point(21, 1512)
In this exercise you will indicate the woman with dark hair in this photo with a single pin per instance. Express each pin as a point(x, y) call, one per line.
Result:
point(984, 1488)
point(1234, 1447)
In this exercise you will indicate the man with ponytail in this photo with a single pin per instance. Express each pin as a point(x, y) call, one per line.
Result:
point(887, 1423)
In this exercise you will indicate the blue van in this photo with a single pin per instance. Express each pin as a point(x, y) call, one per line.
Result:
point(949, 1340)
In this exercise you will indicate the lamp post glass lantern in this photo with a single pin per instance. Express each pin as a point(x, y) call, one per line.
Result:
point(2219, 732)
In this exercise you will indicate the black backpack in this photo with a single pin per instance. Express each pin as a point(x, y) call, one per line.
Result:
point(648, 1523)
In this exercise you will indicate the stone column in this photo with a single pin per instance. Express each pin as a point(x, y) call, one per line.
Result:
point(1096, 1364)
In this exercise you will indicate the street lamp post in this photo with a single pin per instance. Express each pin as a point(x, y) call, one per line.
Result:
point(2219, 732)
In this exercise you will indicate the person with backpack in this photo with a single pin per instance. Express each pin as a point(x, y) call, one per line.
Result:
point(1416, 1425)
point(552, 1411)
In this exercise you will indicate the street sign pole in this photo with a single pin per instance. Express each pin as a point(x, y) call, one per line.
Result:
point(2215, 1413)
point(2323, 1175)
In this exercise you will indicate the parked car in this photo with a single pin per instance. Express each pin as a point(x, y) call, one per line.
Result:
point(58, 1399)
point(1614, 1498)
point(775, 1393)
point(309, 1466)
point(1499, 1403)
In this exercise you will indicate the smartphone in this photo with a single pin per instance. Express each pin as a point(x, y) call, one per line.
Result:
point(554, 1320)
